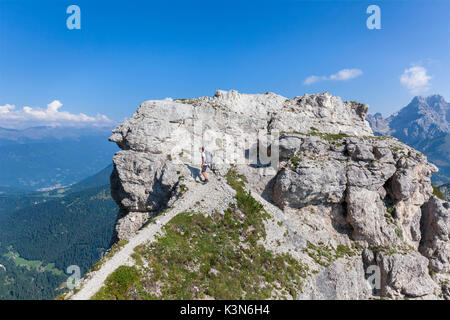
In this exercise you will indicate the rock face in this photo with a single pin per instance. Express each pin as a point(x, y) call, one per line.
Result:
point(405, 275)
point(379, 183)
point(364, 200)
point(435, 244)
point(162, 138)
point(378, 123)
point(374, 188)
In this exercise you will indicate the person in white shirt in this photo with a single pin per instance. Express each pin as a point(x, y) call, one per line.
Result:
point(204, 164)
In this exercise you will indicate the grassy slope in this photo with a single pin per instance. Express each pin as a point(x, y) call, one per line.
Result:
point(215, 256)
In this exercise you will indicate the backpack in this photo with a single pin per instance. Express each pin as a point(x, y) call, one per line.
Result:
point(209, 157)
point(209, 160)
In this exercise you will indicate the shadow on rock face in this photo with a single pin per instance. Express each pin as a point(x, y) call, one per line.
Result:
point(195, 172)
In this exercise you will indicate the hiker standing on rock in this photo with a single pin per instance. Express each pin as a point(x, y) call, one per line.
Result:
point(205, 163)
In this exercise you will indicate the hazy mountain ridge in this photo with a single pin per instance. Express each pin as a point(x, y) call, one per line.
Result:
point(49, 133)
point(52, 157)
point(424, 125)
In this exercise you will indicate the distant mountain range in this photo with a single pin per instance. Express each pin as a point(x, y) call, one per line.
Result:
point(424, 125)
point(49, 134)
point(50, 157)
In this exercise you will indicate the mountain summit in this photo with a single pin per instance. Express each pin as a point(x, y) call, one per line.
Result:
point(422, 118)
point(422, 124)
point(313, 207)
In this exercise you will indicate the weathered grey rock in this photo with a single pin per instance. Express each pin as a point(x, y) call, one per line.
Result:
point(365, 213)
point(363, 152)
point(402, 185)
point(446, 290)
point(141, 182)
point(435, 227)
point(342, 280)
point(405, 275)
point(309, 185)
point(380, 183)
point(128, 223)
point(410, 187)
point(289, 144)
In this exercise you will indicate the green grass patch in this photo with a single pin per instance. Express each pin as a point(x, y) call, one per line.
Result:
point(324, 255)
point(183, 189)
point(295, 160)
point(438, 193)
point(399, 233)
point(31, 264)
point(111, 252)
point(328, 136)
point(214, 256)
point(119, 283)
point(236, 180)
point(390, 250)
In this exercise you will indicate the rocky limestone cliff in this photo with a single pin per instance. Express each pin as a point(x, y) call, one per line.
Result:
point(162, 138)
point(347, 203)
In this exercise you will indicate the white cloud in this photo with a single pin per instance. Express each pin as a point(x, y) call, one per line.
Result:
point(415, 79)
point(342, 75)
point(6, 108)
point(11, 117)
point(313, 79)
point(346, 74)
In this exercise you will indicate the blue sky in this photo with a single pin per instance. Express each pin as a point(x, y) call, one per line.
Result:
point(130, 51)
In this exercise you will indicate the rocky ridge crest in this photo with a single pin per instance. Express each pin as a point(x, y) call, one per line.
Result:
point(348, 200)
